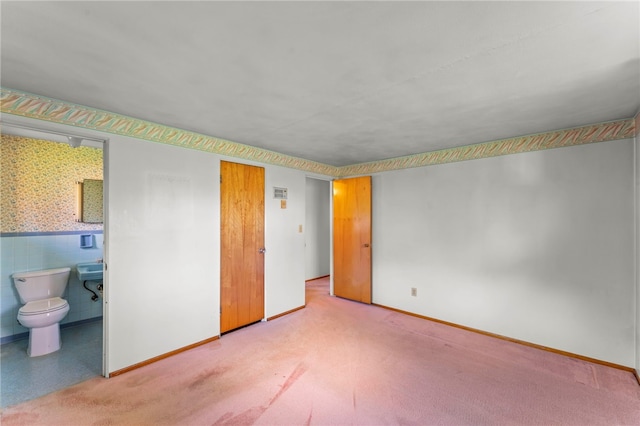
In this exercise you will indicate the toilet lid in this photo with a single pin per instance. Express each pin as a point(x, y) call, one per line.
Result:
point(39, 306)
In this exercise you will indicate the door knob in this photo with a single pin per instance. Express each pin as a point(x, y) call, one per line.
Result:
point(262, 250)
point(366, 245)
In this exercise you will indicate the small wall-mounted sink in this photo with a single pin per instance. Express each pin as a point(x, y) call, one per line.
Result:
point(90, 271)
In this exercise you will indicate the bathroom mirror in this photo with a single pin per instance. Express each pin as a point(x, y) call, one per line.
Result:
point(89, 201)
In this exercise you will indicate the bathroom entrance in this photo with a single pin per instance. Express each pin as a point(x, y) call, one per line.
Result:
point(241, 245)
point(45, 227)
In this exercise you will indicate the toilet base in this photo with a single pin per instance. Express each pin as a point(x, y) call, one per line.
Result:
point(44, 340)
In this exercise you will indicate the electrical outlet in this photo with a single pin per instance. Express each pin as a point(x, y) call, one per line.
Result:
point(414, 292)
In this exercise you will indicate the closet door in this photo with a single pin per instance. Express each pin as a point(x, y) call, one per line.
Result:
point(352, 238)
point(241, 245)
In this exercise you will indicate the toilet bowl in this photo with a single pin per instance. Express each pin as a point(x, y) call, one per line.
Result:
point(43, 318)
point(44, 308)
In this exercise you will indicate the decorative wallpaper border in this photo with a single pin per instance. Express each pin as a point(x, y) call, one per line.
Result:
point(47, 109)
point(42, 108)
point(614, 130)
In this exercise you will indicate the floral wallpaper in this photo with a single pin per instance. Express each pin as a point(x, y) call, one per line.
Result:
point(37, 184)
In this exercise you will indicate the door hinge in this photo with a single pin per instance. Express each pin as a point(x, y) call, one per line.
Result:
point(220, 310)
point(220, 178)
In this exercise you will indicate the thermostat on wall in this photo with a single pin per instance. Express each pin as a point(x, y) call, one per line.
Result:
point(279, 193)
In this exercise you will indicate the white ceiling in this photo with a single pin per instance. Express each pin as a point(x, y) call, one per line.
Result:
point(335, 82)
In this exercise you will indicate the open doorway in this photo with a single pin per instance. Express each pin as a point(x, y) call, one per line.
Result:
point(41, 229)
point(318, 229)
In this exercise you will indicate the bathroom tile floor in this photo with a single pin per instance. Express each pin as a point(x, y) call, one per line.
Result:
point(23, 378)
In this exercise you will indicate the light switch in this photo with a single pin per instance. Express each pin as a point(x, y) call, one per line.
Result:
point(300, 229)
point(283, 204)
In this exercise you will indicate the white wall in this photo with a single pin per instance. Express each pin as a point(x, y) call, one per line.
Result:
point(162, 249)
point(284, 259)
point(637, 252)
point(163, 258)
point(317, 233)
point(536, 246)
point(162, 222)
point(36, 252)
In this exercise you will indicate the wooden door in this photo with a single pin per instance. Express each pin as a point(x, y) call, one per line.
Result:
point(241, 245)
point(352, 238)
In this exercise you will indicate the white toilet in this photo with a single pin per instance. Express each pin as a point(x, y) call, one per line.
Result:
point(44, 307)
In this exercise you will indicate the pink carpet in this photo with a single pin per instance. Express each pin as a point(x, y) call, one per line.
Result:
point(338, 362)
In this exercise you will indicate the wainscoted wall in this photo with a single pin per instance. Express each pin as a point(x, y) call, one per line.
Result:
point(35, 252)
point(38, 227)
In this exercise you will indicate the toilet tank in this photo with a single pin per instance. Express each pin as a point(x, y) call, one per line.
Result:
point(38, 285)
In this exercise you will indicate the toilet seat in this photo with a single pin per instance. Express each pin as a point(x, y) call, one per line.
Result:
point(44, 306)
